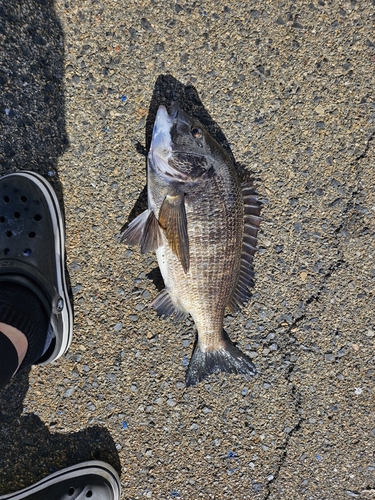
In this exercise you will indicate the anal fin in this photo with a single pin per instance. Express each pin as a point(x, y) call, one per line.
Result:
point(164, 306)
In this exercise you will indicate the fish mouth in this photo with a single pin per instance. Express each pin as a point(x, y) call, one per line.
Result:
point(161, 143)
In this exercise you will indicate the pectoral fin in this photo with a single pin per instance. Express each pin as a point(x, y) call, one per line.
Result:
point(172, 218)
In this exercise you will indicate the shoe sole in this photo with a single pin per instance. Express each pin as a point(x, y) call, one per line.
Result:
point(93, 467)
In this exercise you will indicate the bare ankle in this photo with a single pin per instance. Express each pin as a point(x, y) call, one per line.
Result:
point(17, 338)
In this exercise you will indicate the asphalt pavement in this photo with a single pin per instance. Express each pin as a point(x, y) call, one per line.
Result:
point(288, 88)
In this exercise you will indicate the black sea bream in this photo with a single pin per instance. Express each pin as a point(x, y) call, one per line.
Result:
point(203, 224)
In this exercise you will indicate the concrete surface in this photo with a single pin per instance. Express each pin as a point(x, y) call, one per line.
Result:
point(289, 88)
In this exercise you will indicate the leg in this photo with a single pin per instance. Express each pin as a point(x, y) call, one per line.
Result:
point(18, 339)
point(13, 348)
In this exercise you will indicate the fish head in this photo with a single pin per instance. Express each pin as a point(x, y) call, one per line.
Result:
point(181, 149)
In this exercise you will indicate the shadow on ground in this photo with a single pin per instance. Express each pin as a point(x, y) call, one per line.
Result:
point(29, 451)
point(32, 98)
point(32, 103)
point(32, 120)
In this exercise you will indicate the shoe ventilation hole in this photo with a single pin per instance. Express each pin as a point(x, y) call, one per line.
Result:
point(71, 491)
point(2, 219)
point(6, 251)
point(6, 199)
point(27, 252)
point(23, 199)
point(9, 233)
point(37, 217)
point(32, 234)
point(89, 494)
point(17, 215)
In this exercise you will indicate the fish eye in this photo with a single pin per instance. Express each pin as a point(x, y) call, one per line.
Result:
point(196, 132)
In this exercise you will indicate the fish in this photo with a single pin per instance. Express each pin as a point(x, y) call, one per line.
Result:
point(203, 224)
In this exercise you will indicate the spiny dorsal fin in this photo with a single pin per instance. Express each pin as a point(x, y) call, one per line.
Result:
point(172, 218)
point(252, 220)
point(164, 306)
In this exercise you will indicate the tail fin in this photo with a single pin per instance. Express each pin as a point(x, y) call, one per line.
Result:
point(226, 359)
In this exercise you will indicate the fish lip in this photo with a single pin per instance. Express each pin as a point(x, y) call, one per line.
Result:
point(162, 125)
point(161, 145)
point(161, 137)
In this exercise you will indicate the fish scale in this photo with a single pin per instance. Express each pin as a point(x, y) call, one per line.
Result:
point(215, 248)
point(195, 222)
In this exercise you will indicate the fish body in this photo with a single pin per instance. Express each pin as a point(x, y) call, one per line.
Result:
point(202, 224)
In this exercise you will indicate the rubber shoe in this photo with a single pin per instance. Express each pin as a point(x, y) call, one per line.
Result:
point(95, 480)
point(32, 250)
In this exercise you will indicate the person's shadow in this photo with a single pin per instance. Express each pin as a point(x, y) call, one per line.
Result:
point(29, 451)
point(33, 136)
point(32, 117)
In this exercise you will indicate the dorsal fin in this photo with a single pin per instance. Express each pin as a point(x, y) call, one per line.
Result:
point(252, 221)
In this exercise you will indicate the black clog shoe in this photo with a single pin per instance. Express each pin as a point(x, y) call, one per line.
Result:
point(32, 250)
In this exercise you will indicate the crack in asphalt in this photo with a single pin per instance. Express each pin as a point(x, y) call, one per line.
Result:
point(297, 403)
point(370, 137)
point(350, 205)
point(297, 398)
